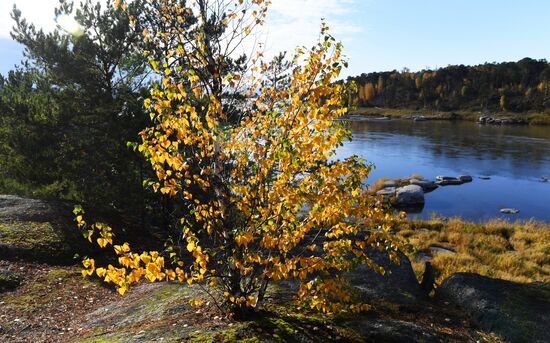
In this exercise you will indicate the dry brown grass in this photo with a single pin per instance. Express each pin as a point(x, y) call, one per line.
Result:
point(539, 119)
point(517, 251)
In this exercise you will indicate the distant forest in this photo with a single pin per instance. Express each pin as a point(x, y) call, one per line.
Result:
point(512, 86)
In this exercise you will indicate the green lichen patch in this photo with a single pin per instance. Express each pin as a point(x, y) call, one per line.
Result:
point(41, 241)
point(38, 235)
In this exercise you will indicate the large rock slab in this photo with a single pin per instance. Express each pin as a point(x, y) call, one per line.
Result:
point(14, 208)
point(38, 230)
point(517, 312)
point(161, 312)
point(397, 285)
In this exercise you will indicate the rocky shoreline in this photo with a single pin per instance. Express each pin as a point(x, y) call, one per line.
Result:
point(496, 118)
point(482, 120)
point(47, 301)
point(408, 193)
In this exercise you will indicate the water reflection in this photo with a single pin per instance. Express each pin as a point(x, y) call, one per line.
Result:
point(515, 158)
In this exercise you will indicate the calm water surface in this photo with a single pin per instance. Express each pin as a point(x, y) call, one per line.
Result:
point(514, 157)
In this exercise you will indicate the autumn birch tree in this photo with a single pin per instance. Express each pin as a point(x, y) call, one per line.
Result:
point(265, 198)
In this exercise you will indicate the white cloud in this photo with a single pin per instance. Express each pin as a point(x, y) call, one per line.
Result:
point(70, 25)
point(290, 23)
point(39, 12)
point(294, 23)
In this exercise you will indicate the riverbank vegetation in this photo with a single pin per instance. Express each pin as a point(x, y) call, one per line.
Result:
point(532, 118)
point(509, 89)
point(511, 250)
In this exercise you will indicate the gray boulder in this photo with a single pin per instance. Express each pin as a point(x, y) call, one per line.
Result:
point(448, 180)
point(465, 178)
point(397, 285)
point(15, 208)
point(389, 184)
point(517, 312)
point(436, 249)
point(410, 195)
point(509, 210)
point(483, 119)
point(387, 192)
point(426, 185)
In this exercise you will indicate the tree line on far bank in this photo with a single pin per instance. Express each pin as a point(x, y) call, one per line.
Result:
point(522, 86)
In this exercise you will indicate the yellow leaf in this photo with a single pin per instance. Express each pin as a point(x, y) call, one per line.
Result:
point(118, 249)
point(155, 65)
point(101, 272)
point(145, 258)
point(102, 242)
point(122, 289)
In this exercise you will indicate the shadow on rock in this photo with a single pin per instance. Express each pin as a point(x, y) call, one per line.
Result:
point(518, 312)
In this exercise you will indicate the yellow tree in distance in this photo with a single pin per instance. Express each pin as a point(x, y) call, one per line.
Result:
point(264, 198)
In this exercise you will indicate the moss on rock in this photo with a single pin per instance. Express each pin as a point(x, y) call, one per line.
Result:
point(9, 280)
point(38, 230)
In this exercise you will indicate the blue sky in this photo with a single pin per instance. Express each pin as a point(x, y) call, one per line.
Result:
point(378, 34)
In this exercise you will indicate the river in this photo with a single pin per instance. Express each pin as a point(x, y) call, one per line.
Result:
point(514, 157)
